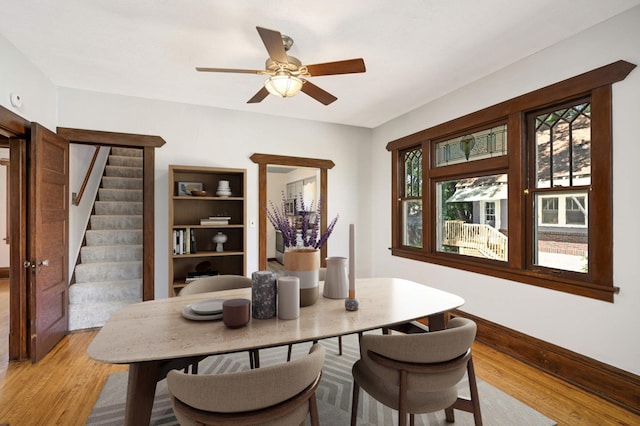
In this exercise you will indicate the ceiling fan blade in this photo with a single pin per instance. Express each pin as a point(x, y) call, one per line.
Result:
point(348, 66)
point(232, 70)
point(317, 93)
point(258, 97)
point(273, 42)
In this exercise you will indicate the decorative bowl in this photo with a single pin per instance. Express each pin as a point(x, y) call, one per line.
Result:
point(198, 193)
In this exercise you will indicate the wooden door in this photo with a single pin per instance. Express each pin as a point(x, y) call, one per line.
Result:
point(48, 240)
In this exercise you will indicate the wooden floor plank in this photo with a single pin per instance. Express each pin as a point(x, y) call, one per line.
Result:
point(63, 387)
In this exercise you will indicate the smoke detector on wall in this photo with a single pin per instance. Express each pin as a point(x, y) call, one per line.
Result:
point(16, 100)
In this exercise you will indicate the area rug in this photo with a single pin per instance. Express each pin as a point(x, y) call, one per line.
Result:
point(334, 393)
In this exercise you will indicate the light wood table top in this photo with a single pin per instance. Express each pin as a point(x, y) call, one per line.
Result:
point(156, 330)
point(154, 338)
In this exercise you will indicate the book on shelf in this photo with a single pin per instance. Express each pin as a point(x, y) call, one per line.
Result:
point(184, 241)
point(192, 276)
point(215, 221)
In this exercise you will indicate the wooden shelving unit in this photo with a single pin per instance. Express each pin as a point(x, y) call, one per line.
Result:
point(186, 211)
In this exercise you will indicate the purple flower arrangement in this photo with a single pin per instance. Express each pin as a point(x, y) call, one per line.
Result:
point(305, 226)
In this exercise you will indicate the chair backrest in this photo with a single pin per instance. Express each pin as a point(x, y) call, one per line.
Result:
point(434, 348)
point(215, 283)
point(249, 390)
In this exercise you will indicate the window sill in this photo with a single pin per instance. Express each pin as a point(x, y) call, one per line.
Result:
point(495, 269)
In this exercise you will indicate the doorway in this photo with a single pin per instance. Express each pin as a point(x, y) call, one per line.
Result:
point(287, 188)
point(15, 131)
point(266, 160)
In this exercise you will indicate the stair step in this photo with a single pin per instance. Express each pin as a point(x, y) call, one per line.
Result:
point(112, 238)
point(118, 207)
point(126, 152)
point(116, 222)
point(116, 160)
point(108, 271)
point(120, 171)
point(106, 194)
point(105, 291)
point(117, 182)
point(92, 315)
point(118, 253)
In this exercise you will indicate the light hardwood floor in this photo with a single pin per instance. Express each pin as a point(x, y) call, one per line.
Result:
point(62, 388)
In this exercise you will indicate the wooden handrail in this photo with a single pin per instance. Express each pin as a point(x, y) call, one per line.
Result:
point(77, 197)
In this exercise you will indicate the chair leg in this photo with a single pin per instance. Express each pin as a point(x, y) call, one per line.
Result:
point(470, 405)
point(289, 349)
point(354, 404)
point(402, 395)
point(473, 392)
point(339, 345)
point(449, 415)
point(313, 411)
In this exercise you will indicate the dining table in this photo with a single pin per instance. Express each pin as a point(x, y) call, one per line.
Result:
point(153, 337)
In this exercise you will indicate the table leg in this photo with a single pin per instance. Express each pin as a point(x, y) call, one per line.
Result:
point(141, 390)
point(437, 322)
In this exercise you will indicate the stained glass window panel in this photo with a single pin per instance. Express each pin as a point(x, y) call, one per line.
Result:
point(563, 147)
point(413, 173)
point(485, 143)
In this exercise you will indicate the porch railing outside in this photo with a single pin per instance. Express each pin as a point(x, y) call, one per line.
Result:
point(487, 240)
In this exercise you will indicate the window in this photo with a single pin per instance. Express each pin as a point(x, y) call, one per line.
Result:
point(515, 190)
point(412, 198)
point(548, 210)
point(465, 220)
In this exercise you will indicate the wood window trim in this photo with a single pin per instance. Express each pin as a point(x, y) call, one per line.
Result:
point(596, 84)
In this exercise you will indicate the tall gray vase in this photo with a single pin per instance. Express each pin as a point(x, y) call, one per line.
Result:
point(263, 294)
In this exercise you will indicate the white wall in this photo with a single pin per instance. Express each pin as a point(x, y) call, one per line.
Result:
point(221, 138)
point(38, 94)
point(79, 161)
point(604, 331)
point(276, 183)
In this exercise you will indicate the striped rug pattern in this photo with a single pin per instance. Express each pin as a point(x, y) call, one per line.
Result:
point(334, 393)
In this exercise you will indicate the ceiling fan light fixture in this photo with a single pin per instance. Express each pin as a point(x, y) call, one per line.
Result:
point(283, 85)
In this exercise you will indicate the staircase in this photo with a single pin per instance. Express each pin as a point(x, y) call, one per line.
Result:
point(109, 274)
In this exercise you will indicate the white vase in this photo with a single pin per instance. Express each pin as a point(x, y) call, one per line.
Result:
point(336, 281)
point(219, 239)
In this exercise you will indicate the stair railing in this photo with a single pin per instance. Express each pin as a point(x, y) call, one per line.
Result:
point(76, 197)
point(490, 242)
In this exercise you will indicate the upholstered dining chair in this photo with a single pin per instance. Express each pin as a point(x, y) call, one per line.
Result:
point(281, 394)
point(418, 373)
point(219, 283)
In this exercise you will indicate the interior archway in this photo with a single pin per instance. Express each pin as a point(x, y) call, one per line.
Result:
point(263, 160)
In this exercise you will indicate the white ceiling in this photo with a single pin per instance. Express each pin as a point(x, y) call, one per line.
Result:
point(414, 50)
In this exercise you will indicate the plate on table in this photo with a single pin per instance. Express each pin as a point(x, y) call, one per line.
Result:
point(207, 310)
point(208, 307)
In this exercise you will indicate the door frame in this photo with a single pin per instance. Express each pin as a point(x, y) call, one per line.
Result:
point(264, 160)
point(15, 131)
point(148, 144)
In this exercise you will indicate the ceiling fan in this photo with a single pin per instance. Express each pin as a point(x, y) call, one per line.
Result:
point(287, 75)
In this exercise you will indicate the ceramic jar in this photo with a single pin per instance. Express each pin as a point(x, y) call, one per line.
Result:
point(263, 294)
point(304, 264)
point(336, 281)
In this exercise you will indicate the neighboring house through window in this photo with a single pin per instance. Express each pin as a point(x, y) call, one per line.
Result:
point(515, 190)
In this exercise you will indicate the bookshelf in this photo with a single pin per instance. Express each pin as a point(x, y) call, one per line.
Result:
point(195, 220)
